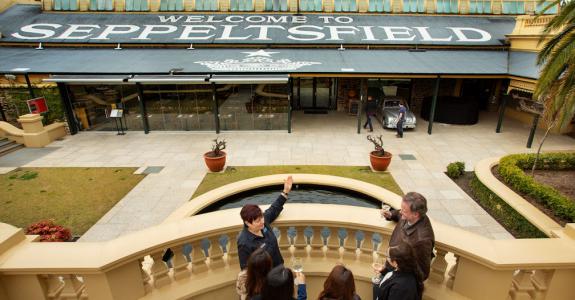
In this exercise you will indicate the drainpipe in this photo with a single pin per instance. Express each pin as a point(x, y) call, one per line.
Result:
point(433, 104)
point(143, 110)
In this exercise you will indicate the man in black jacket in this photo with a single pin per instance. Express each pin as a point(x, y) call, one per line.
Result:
point(370, 111)
point(257, 232)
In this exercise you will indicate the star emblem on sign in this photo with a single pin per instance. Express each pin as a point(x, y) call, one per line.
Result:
point(259, 53)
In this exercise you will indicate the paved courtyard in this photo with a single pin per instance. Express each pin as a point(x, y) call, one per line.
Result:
point(316, 140)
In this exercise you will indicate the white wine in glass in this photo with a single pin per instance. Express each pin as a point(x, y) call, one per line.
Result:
point(297, 264)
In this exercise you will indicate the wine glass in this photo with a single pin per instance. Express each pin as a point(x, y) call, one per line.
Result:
point(377, 265)
point(297, 264)
point(384, 208)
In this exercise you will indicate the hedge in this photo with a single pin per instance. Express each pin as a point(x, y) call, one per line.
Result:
point(511, 170)
point(505, 214)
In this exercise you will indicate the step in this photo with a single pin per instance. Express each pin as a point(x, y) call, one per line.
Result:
point(4, 142)
point(10, 148)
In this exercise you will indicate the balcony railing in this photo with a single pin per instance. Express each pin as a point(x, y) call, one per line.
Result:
point(205, 264)
point(511, 7)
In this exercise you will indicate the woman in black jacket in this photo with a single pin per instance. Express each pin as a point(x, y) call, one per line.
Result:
point(405, 282)
point(257, 232)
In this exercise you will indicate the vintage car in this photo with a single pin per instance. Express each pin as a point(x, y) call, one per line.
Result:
point(390, 111)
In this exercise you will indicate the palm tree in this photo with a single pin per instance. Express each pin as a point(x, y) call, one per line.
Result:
point(556, 85)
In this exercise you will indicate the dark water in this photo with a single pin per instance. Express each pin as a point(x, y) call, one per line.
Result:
point(300, 194)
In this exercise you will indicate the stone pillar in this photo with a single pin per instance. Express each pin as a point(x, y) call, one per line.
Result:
point(154, 5)
point(224, 5)
point(47, 5)
point(24, 287)
point(463, 6)
point(328, 5)
point(34, 134)
point(259, 5)
point(495, 284)
point(496, 7)
point(396, 6)
point(84, 5)
point(362, 5)
point(561, 285)
point(189, 5)
point(119, 5)
point(430, 6)
point(124, 282)
point(292, 4)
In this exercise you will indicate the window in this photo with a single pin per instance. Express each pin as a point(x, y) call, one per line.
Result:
point(206, 4)
point(551, 11)
point(171, 5)
point(65, 5)
point(513, 7)
point(413, 6)
point(276, 5)
point(241, 5)
point(101, 4)
point(136, 5)
point(310, 5)
point(380, 5)
point(447, 7)
point(479, 7)
point(345, 5)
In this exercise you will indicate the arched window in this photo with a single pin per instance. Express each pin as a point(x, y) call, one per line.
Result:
point(172, 5)
point(101, 4)
point(447, 7)
point(479, 6)
point(136, 5)
point(345, 5)
point(413, 6)
point(241, 5)
point(379, 6)
point(276, 5)
point(207, 5)
point(65, 5)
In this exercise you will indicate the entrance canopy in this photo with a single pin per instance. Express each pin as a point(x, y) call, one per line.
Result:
point(254, 61)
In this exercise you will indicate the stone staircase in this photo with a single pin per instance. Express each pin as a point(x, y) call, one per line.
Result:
point(7, 146)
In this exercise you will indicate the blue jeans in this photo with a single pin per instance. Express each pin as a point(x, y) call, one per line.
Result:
point(400, 128)
point(368, 122)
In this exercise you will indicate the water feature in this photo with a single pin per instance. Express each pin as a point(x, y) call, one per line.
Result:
point(301, 193)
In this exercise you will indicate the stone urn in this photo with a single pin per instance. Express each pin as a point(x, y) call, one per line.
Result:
point(213, 162)
point(379, 163)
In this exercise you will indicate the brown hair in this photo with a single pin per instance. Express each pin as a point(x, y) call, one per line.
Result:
point(339, 284)
point(259, 264)
point(404, 255)
point(250, 212)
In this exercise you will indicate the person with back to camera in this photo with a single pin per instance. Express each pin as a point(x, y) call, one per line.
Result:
point(280, 283)
point(257, 232)
point(401, 120)
point(412, 226)
point(339, 285)
point(252, 279)
point(370, 110)
point(405, 281)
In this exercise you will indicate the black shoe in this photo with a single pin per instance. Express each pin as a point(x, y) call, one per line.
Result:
point(371, 130)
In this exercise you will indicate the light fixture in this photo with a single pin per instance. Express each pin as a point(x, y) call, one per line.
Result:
point(341, 48)
point(40, 46)
point(191, 47)
point(118, 47)
point(174, 70)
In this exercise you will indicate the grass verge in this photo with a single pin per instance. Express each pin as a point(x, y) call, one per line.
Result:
point(233, 174)
point(73, 197)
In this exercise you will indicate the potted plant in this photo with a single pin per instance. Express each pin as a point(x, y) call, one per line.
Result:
point(379, 158)
point(49, 232)
point(216, 159)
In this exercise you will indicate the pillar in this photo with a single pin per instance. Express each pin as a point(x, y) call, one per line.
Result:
point(480, 282)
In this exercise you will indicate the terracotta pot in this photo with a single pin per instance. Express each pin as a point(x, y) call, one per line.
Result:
point(215, 164)
point(379, 163)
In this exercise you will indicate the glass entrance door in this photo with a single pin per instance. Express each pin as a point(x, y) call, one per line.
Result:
point(314, 93)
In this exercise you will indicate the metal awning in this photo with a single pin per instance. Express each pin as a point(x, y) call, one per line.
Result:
point(170, 79)
point(89, 79)
point(81, 61)
point(523, 64)
point(241, 79)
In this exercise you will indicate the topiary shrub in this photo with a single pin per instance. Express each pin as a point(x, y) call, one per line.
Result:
point(505, 214)
point(49, 232)
point(511, 170)
point(455, 169)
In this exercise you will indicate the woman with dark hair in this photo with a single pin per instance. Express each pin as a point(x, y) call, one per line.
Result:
point(280, 285)
point(251, 280)
point(339, 285)
point(405, 282)
point(257, 232)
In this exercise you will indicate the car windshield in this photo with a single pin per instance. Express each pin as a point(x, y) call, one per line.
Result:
point(393, 103)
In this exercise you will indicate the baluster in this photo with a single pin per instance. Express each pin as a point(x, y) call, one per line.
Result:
point(283, 241)
point(146, 280)
point(198, 258)
point(72, 287)
point(452, 273)
point(216, 253)
point(233, 248)
point(350, 245)
point(366, 254)
point(438, 266)
point(382, 247)
point(521, 286)
point(300, 243)
point(333, 244)
point(55, 286)
point(180, 263)
point(541, 279)
point(316, 242)
point(159, 270)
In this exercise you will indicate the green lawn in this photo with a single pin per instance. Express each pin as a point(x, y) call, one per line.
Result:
point(73, 197)
point(233, 174)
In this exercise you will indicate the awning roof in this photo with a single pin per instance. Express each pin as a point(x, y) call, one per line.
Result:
point(170, 79)
point(85, 79)
point(237, 79)
point(241, 61)
point(523, 64)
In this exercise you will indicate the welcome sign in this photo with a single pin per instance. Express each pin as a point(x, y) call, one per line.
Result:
point(28, 24)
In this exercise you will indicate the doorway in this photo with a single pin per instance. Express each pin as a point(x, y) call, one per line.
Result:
point(314, 94)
